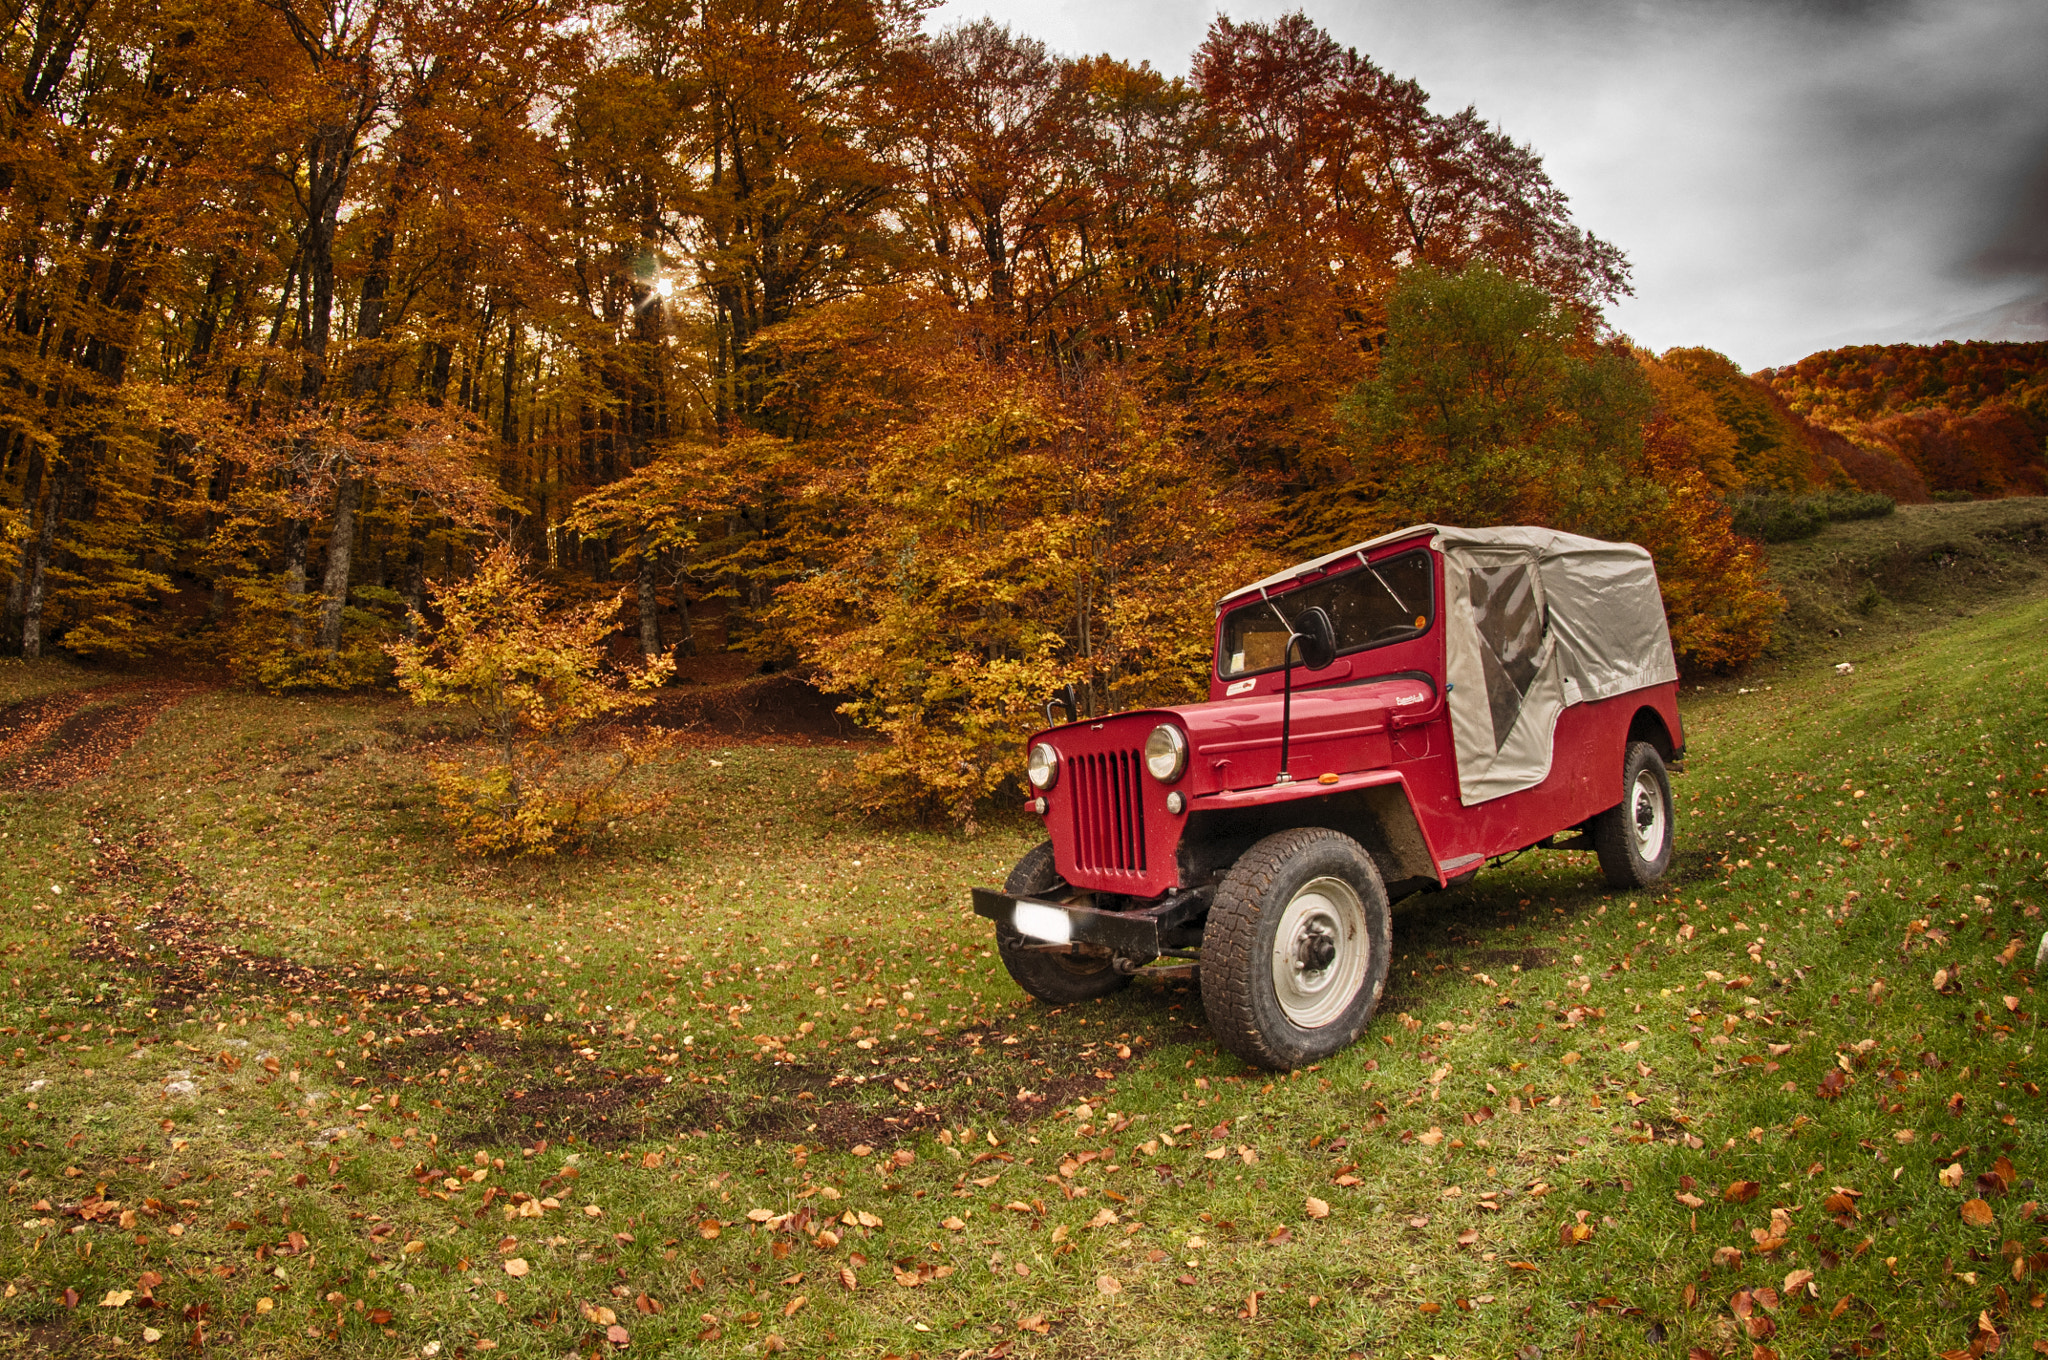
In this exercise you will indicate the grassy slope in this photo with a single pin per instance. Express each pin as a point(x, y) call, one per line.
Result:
point(1867, 581)
point(1592, 1036)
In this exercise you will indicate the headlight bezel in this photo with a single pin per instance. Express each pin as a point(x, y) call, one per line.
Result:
point(1042, 766)
point(1168, 743)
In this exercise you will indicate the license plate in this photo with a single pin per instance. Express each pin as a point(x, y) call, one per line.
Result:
point(1041, 922)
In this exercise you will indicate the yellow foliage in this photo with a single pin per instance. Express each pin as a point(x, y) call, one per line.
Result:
point(1025, 535)
point(533, 679)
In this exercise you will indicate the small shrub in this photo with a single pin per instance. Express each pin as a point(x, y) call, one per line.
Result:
point(534, 680)
point(1777, 519)
point(1848, 505)
point(1952, 497)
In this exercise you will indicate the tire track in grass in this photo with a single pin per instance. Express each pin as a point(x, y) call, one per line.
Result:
point(54, 742)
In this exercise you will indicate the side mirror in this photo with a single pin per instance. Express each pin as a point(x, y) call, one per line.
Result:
point(1316, 636)
point(1068, 699)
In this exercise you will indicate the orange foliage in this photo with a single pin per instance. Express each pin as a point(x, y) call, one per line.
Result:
point(1959, 416)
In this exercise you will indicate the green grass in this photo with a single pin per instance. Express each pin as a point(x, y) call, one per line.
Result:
point(664, 1038)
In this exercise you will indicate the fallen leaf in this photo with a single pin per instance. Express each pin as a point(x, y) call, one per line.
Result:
point(617, 1335)
point(1690, 1201)
point(1977, 1213)
point(1951, 1175)
point(1432, 1138)
point(1107, 1284)
point(1797, 1280)
point(517, 1267)
point(952, 1224)
point(1317, 1208)
point(117, 1298)
point(1741, 1192)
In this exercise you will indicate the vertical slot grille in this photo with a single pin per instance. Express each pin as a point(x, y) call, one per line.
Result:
point(1109, 813)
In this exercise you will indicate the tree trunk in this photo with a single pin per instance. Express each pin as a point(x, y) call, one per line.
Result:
point(415, 590)
point(32, 604)
point(295, 531)
point(340, 551)
point(650, 602)
point(687, 644)
point(31, 492)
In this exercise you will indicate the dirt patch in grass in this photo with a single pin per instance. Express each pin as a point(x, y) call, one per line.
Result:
point(821, 1104)
point(781, 706)
point(189, 966)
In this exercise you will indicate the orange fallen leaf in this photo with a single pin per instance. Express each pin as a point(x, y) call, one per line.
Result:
point(1977, 1213)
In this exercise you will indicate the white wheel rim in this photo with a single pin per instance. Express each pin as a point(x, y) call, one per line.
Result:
point(1646, 815)
point(1319, 953)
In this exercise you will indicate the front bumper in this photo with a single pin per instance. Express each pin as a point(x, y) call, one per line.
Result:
point(1140, 935)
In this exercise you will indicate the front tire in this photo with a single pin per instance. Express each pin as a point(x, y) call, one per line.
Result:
point(1295, 953)
point(1633, 838)
point(1058, 979)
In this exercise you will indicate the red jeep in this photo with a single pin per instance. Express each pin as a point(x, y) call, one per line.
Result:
point(1381, 721)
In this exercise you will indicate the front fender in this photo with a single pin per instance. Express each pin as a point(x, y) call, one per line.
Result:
point(1373, 807)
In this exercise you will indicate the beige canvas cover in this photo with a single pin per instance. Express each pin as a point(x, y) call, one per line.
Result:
point(1534, 621)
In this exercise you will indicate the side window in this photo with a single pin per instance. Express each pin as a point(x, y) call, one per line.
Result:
point(1510, 623)
point(1390, 601)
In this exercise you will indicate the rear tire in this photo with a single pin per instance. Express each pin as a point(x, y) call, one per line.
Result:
point(1058, 979)
point(1295, 953)
point(1633, 838)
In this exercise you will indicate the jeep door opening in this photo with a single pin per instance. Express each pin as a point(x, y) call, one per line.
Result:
point(1381, 721)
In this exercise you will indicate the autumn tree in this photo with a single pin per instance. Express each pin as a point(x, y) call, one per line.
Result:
point(1490, 408)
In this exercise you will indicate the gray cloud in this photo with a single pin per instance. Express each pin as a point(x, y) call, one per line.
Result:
point(1784, 177)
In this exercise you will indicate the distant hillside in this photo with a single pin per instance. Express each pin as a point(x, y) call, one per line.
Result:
point(1963, 416)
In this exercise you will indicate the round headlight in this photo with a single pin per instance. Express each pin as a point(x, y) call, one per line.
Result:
point(1166, 753)
point(1043, 766)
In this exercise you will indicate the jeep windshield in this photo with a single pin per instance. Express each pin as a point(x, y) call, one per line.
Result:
point(1388, 601)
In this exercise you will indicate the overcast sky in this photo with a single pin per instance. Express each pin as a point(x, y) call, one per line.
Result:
point(1785, 176)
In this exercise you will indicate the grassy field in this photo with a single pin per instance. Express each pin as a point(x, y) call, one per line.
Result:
point(286, 1078)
